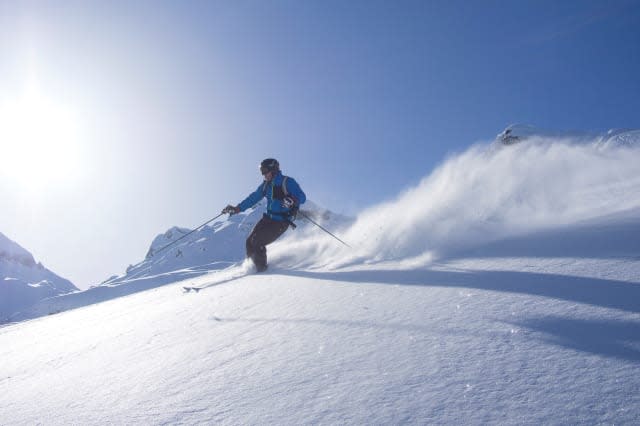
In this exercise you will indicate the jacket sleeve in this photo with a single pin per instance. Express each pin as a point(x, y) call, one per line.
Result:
point(252, 199)
point(294, 189)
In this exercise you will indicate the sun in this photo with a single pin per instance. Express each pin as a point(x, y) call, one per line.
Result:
point(39, 141)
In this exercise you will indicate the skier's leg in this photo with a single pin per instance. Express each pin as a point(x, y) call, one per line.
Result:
point(265, 232)
point(252, 247)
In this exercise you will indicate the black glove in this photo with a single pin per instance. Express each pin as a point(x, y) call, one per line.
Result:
point(231, 210)
point(289, 202)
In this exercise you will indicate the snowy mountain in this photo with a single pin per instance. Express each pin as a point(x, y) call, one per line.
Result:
point(504, 289)
point(515, 133)
point(219, 245)
point(24, 282)
point(628, 138)
point(211, 248)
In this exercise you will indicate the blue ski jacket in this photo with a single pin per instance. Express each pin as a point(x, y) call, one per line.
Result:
point(275, 192)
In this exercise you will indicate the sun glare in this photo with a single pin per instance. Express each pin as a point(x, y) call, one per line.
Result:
point(38, 142)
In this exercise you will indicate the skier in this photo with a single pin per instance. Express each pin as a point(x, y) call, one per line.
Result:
point(284, 197)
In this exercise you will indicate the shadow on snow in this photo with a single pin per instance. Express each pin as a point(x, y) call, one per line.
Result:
point(592, 291)
point(609, 338)
point(614, 339)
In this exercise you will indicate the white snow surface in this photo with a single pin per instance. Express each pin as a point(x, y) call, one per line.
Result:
point(503, 289)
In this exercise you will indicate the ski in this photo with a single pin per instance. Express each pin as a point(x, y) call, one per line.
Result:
point(222, 276)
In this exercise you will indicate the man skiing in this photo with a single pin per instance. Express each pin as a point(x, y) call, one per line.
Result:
point(284, 197)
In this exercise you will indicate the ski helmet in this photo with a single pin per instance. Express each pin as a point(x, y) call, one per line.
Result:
point(269, 165)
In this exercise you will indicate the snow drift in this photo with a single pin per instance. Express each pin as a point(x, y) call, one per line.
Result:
point(487, 193)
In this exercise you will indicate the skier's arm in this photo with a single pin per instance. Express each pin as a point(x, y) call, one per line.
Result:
point(252, 199)
point(294, 189)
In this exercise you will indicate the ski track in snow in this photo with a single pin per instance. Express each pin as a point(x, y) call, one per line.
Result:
point(503, 289)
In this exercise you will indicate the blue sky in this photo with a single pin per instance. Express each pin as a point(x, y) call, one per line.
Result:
point(175, 103)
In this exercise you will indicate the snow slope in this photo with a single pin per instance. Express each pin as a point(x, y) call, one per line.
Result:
point(212, 248)
point(23, 282)
point(503, 289)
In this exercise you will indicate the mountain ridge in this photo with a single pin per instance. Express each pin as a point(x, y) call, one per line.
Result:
point(211, 248)
point(23, 281)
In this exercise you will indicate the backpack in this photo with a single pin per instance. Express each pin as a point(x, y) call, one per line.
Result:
point(279, 193)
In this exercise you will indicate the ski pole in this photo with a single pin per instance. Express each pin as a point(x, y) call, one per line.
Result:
point(185, 235)
point(319, 226)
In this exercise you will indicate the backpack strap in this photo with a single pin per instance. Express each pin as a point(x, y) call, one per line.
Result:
point(284, 186)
